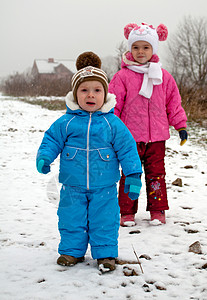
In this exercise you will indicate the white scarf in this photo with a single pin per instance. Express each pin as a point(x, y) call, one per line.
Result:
point(152, 76)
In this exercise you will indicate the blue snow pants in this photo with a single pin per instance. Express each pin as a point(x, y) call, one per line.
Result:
point(88, 217)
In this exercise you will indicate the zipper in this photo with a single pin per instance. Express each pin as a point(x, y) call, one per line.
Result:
point(149, 122)
point(89, 125)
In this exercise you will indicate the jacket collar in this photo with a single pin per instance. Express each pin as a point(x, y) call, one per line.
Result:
point(128, 60)
point(107, 107)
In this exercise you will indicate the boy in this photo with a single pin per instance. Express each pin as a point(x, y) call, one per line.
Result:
point(92, 141)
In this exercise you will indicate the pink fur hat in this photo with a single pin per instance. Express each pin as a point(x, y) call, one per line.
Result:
point(145, 32)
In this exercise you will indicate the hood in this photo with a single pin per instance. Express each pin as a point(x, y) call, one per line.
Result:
point(72, 105)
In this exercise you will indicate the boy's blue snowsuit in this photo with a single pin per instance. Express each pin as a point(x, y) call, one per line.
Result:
point(90, 145)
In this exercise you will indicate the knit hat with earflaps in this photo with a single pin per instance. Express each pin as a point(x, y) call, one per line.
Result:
point(145, 32)
point(88, 65)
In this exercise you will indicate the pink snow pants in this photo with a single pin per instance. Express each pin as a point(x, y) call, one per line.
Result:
point(152, 157)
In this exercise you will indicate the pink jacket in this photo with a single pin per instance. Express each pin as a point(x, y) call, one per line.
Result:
point(147, 119)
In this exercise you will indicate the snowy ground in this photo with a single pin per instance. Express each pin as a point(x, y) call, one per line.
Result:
point(29, 235)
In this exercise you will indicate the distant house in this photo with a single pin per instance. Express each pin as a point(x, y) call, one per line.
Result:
point(53, 68)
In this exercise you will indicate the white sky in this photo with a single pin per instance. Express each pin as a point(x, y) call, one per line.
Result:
point(63, 29)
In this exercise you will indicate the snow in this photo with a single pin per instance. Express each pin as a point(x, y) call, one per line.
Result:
point(28, 224)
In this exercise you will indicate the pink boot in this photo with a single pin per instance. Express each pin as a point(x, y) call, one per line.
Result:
point(158, 215)
point(127, 220)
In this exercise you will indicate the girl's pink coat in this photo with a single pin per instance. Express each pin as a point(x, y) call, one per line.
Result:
point(147, 119)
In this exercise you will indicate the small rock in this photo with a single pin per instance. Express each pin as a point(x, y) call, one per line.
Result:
point(150, 281)
point(204, 266)
point(129, 271)
point(186, 207)
point(41, 280)
point(135, 232)
point(188, 167)
point(191, 230)
point(177, 182)
point(123, 284)
point(12, 129)
point(146, 288)
point(182, 223)
point(147, 257)
point(195, 248)
point(160, 286)
point(124, 262)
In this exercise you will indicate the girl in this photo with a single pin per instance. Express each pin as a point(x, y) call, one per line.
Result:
point(148, 102)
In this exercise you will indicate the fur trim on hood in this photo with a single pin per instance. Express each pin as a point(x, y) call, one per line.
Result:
point(107, 106)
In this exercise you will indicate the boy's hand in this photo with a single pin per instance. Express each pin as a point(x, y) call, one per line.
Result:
point(133, 185)
point(43, 166)
point(183, 136)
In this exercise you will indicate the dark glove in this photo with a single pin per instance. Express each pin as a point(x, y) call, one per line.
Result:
point(43, 165)
point(183, 136)
point(133, 185)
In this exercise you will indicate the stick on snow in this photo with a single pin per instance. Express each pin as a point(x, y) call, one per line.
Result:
point(138, 259)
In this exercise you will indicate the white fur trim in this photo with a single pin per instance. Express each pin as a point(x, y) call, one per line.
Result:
point(70, 102)
point(110, 102)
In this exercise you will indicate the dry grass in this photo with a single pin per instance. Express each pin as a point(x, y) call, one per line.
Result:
point(196, 111)
point(48, 104)
point(194, 101)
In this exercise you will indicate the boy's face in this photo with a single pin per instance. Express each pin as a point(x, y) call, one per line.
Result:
point(90, 95)
point(142, 52)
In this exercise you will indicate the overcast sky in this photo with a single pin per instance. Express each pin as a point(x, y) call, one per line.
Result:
point(63, 29)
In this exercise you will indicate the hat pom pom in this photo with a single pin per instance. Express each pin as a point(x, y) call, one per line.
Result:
point(87, 59)
point(162, 32)
point(128, 28)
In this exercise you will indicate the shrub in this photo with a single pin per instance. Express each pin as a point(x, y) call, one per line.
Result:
point(26, 85)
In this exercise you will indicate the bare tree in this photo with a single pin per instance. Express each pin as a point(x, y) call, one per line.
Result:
point(109, 65)
point(112, 64)
point(187, 58)
point(122, 47)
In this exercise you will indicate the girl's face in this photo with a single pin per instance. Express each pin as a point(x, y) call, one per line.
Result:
point(90, 95)
point(142, 52)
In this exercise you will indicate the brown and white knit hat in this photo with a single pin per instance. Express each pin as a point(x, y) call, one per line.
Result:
point(88, 65)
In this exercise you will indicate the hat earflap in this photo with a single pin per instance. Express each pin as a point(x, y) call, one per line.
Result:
point(162, 32)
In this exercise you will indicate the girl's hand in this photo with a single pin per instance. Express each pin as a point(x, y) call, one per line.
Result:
point(183, 136)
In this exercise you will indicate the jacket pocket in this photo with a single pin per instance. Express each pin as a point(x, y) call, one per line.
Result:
point(106, 154)
point(103, 167)
point(69, 153)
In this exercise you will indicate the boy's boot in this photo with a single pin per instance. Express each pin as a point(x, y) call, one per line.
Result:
point(106, 264)
point(67, 260)
point(127, 220)
point(158, 215)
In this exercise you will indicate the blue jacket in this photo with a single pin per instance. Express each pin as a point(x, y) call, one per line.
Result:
point(91, 146)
